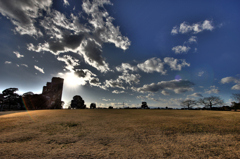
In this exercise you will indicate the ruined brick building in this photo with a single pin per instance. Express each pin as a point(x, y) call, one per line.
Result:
point(53, 92)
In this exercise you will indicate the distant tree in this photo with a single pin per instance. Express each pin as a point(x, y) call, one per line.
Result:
point(236, 97)
point(92, 106)
point(78, 102)
point(110, 107)
point(188, 103)
point(144, 105)
point(10, 97)
point(211, 101)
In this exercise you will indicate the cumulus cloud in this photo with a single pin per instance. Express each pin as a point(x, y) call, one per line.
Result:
point(180, 86)
point(23, 14)
point(8, 62)
point(39, 69)
point(231, 80)
point(181, 49)
point(152, 65)
point(114, 83)
point(125, 67)
point(175, 64)
point(166, 93)
point(18, 54)
point(196, 95)
point(194, 28)
point(192, 39)
point(213, 89)
point(130, 78)
point(85, 39)
point(69, 61)
point(200, 73)
point(117, 92)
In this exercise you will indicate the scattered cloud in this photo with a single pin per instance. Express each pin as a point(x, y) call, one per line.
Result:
point(196, 95)
point(130, 78)
point(200, 73)
point(86, 39)
point(175, 64)
point(25, 65)
point(117, 92)
point(114, 83)
point(231, 80)
point(23, 14)
point(65, 3)
point(157, 65)
point(178, 87)
point(213, 89)
point(152, 65)
point(18, 54)
point(192, 39)
point(194, 28)
point(166, 93)
point(125, 67)
point(39, 69)
point(181, 49)
point(8, 62)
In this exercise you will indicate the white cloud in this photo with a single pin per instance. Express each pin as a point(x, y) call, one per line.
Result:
point(23, 14)
point(200, 73)
point(180, 86)
point(125, 67)
point(130, 78)
point(174, 30)
point(18, 54)
point(65, 3)
point(181, 49)
point(166, 93)
point(233, 80)
point(192, 39)
point(85, 39)
point(69, 61)
point(175, 64)
point(114, 83)
point(152, 65)
point(157, 65)
point(117, 92)
point(213, 89)
point(39, 69)
point(196, 95)
point(8, 62)
point(24, 65)
point(194, 28)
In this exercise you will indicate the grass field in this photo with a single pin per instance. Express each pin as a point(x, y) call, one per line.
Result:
point(120, 134)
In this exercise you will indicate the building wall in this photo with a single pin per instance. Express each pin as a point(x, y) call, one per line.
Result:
point(53, 91)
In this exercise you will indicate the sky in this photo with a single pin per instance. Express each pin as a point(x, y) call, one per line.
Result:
point(110, 52)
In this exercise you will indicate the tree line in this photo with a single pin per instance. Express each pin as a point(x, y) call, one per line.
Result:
point(209, 102)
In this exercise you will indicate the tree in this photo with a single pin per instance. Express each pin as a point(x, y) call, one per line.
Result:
point(92, 106)
point(189, 103)
point(236, 97)
point(10, 97)
point(211, 101)
point(78, 102)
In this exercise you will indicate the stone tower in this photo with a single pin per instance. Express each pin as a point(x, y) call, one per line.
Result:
point(53, 91)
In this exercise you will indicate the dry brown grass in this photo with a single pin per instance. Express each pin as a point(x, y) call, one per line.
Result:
point(120, 134)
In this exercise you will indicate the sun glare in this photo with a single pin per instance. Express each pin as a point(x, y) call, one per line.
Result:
point(72, 80)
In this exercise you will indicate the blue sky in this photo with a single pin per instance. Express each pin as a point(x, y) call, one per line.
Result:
point(111, 52)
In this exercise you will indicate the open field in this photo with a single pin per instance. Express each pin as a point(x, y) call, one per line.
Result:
point(120, 134)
